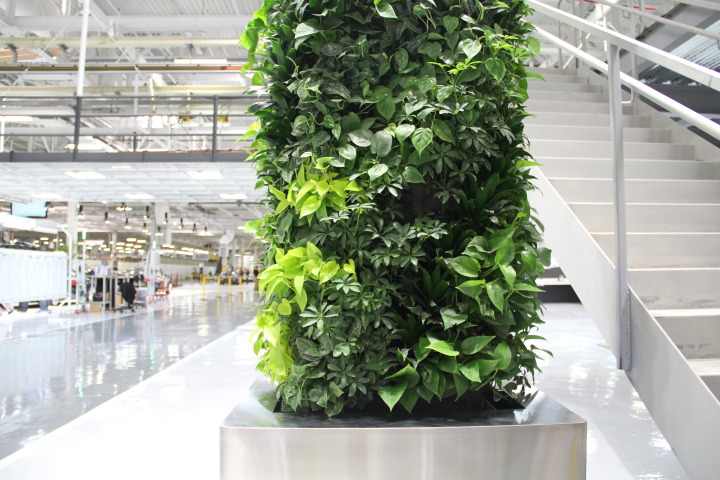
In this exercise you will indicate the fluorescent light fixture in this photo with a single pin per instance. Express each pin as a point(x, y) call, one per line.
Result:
point(200, 61)
point(16, 118)
point(139, 196)
point(47, 196)
point(85, 175)
point(206, 175)
point(142, 240)
point(122, 167)
point(131, 240)
point(233, 196)
point(87, 147)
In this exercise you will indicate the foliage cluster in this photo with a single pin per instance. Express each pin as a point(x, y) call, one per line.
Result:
point(401, 250)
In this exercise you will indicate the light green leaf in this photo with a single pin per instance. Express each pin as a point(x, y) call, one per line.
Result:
point(526, 287)
point(443, 347)
point(527, 163)
point(284, 308)
point(299, 283)
point(302, 299)
point(442, 130)
point(386, 107)
point(403, 131)
point(407, 374)
point(471, 47)
point(495, 292)
point(348, 151)
point(496, 68)
point(381, 143)
point(391, 394)
point(476, 370)
point(412, 175)
point(361, 137)
point(503, 355)
point(377, 171)
point(305, 29)
point(465, 266)
point(252, 226)
point(310, 206)
point(328, 271)
point(473, 345)
point(421, 138)
point(509, 274)
point(472, 288)
point(385, 10)
point(533, 45)
point(451, 317)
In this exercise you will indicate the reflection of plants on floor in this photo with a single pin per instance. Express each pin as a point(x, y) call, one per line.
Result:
point(402, 252)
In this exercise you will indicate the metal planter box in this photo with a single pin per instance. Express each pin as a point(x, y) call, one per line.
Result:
point(543, 441)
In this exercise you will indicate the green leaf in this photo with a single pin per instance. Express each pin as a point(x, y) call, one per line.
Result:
point(426, 83)
point(473, 345)
point(471, 47)
point(544, 256)
point(409, 399)
point(407, 374)
point(305, 29)
point(421, 138)
point(284, 308)
point(377, 171)
point(442, 130)
point(252, 226)
point(509, 274)
point(465, 266)
point(496, 68)
point(391, 394)
point(495, 292)
point(472, 288)
point(249, 38)
point(533, 45)
point(348, 151)
point(461, 384)
point(476, 370)
point(400, 59)
point(412, 175)
point(451, 23)
point(381, 143)
point(526, 287)
point(451, 317)
point(328, 271)
point(310, 206)
point(386, 107)
point(443, 347)
point(302, 299)
point(403, 131)
point(385, 10)
point(361, 137)
point(527, 163)
point(444, 92)
point(332, 49)
point(529, 261)
point(503, 355)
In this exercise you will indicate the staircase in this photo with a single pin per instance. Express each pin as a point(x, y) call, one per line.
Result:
point(673, 222)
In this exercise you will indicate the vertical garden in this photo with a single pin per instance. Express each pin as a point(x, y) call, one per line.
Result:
point(401, 249)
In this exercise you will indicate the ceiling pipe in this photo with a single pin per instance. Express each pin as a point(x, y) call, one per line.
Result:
point(114, 68)
point(83, 48)
point(123, 42)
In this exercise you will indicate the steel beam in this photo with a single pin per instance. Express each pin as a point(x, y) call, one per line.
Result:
point(165, 23)
point(122, 42)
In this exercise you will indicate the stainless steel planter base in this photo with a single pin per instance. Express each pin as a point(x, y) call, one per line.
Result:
point(544, 441)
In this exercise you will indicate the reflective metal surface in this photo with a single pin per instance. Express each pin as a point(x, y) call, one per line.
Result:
point(56, 368)
point(543, 441)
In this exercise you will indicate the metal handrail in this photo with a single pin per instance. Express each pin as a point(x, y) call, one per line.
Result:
point(684, 67)
point(660, 19)
point(687, 114)
point(701, 4)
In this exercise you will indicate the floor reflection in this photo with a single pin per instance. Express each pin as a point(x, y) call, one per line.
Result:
point(52, 376)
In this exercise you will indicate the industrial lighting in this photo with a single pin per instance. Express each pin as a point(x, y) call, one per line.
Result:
point(139, 196)
point(233, 196)
point(194, 227)
point(127, 223)
point(145, 229)
point(85, 175)
point(87, 147)
point(181, 224)
point(200, 61)
point(107, 217)
point(142, 240)
point(49, 207)
point(165, 222)
point(147, 212)
point(206, 175)
point(80, 212)
point(130, 239)
point(16, 118)
point(158, 233)
point(123, 208)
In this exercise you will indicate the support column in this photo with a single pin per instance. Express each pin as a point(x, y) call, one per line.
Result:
point(621, 266)
point(83, 48)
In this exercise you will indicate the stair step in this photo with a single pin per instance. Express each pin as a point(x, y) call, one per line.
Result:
point(559, 78)
point(639, 190)
point(647, 169)
point(667, 250)
point(540, 106)
point(540, 86)
point(552, 71)
point(604, 149)
point(668, 288)
point(709, 370)
point(584, 119)
point(695, 332)
point(568, 96)
point(535, 131)
point(651, 217)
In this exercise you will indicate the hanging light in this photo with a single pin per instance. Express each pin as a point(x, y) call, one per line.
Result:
point(107, 217)
point(144, 229)
point(165, 222)
point(158, 233)
point(147, 212)
point(80, 212)
point(127, 223)
point(181, 224)
point(194, 227)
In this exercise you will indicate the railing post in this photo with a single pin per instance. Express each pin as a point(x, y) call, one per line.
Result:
point(76, 134)
point(621, 267)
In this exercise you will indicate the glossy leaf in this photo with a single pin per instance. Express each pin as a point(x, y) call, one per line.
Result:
point(495, 292)
point(472, 288)
point(451, 317)
point(404, 131)
point(421, 138)
point(472, 345)
point(391, 394)
point(496, 68)
point(412, 175)
point(444, 348)
point(466, 266)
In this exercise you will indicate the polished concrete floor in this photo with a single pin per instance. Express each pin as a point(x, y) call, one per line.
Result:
point(140, 395)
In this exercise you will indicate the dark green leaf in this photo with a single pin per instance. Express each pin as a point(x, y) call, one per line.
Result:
point(381, 143)
point(472, 345)
point(421, 138)
point(443, 347)
point(509, 274)
point(451, 23)
point(386, 108)
point(443, 130)
point(466, 266)
point(412, 175)
point(332, 49)
point(385, 10)
point(407, 374)
point(495, 292)
point(472, 288)
point(503, 355)
point(391, 394)
point(496, 68)
point(400, 59)
point(361, 138)
point(451, 318)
